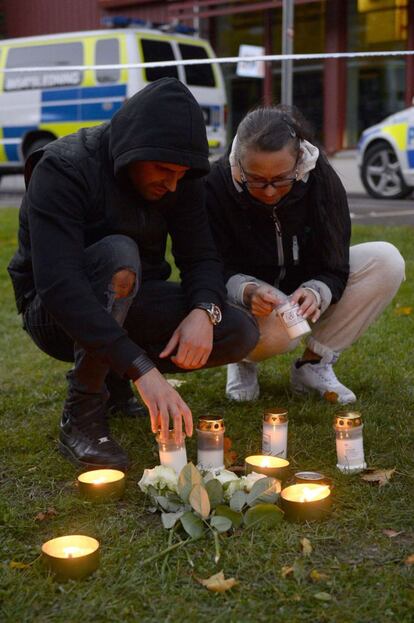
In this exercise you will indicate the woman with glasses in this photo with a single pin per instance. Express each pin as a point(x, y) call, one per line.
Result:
point(280, 218)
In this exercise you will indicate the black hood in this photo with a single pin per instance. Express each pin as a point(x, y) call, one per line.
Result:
point(161, 122)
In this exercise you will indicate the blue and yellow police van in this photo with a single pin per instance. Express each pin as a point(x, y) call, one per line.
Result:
point(38, 106)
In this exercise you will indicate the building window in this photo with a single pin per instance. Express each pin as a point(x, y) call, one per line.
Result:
point(51, 55)
point(155, 50)
point(107, 53)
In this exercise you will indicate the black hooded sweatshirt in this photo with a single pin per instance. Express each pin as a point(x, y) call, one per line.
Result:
point(78, 193)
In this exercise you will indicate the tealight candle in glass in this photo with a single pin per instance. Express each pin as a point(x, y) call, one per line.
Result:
point(349, 442)
point(71, 557)
point(306, 502)
point(172, 453)
point(210, 443)
point(275, 428)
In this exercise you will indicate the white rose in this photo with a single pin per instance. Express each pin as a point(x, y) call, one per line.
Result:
point(250, 479)
point(232, 487)
point(159, 477)
point(226, 476)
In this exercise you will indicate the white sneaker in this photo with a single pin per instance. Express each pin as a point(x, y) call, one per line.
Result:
point(320, 377)
point(242, 384)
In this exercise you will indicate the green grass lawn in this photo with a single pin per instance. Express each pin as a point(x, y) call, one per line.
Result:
point(365, 578)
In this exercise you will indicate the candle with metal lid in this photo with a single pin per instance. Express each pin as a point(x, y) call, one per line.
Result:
point(275, 429)
point(210, 443)
point(349, 442)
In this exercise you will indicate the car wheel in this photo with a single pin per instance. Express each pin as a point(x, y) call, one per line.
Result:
point(381, 173)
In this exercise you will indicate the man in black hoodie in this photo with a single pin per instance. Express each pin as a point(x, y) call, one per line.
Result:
point(90, 274)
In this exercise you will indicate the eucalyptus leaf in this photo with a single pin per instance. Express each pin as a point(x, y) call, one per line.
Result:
point(235, 517)
point(168, 505)
point(207, 477)
point(221, 524)
point(189, 476)
point(199, 500)
point(263, 515)
point(266, 490)
point(170, 519)
point(215, 492)
point(238, 500)
point(192, 524)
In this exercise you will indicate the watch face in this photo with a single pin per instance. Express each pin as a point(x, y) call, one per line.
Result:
point(213, 311)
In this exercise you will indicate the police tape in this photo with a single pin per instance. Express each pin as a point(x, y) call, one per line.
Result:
point(218, 61)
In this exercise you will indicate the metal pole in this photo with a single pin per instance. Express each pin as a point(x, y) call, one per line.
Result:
point(287, 48)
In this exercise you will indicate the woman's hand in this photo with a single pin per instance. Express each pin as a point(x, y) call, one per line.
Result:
point(308, 304)
point(262, 300)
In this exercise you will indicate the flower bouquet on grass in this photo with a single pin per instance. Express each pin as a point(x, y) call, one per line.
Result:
point(204, 502)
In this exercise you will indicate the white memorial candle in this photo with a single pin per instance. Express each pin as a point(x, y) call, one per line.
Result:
point(275, 428)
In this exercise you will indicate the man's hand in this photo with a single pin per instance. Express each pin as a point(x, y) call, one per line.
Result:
point(163, 403)
point(193, 341)
point(308, 305)
point(262, 300)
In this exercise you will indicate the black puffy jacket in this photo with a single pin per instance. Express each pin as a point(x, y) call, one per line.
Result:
point(78, 193)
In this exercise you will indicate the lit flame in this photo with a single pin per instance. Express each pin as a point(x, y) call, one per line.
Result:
point(309, 495)
point(266, 462)
point(72, 551)
point(99, 481)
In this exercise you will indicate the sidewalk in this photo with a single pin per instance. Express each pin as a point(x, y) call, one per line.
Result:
point(345, 164)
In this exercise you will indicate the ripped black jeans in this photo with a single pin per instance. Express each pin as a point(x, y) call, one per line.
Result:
point(150, 314)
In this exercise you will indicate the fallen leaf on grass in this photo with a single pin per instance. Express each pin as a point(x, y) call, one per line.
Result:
point(306, 546)
point(318, 576)
point(392, 533)
point(14, 564)
point(176, 382)
point(403, 311)
point(323, 596)
point(409, 560)
point(217, 583)
point(285, 571)
point(381, 476)
point(51, 512)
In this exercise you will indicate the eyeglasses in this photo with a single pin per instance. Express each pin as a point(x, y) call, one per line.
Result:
point(279, 183)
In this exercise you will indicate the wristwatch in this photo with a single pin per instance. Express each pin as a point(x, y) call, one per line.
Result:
point(213, 311)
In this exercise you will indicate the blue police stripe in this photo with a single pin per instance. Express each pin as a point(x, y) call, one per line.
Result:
point(59, 94)
point(82, 110)
point(410, 156)
point(12, 152)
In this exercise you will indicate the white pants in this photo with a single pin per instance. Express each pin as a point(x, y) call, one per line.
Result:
point(377, 270)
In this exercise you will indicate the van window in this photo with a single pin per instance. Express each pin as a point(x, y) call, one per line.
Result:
point(155, 50)
point(107, 53)
point(197, 75)
point(50, 55)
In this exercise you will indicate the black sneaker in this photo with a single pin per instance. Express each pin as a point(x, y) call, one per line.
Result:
point(122, 400)
point(85, 438)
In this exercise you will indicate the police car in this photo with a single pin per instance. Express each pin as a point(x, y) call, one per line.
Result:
point(386, 156)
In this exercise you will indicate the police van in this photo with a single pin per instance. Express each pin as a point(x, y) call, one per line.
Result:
point(38, 106)
point(386, 156)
